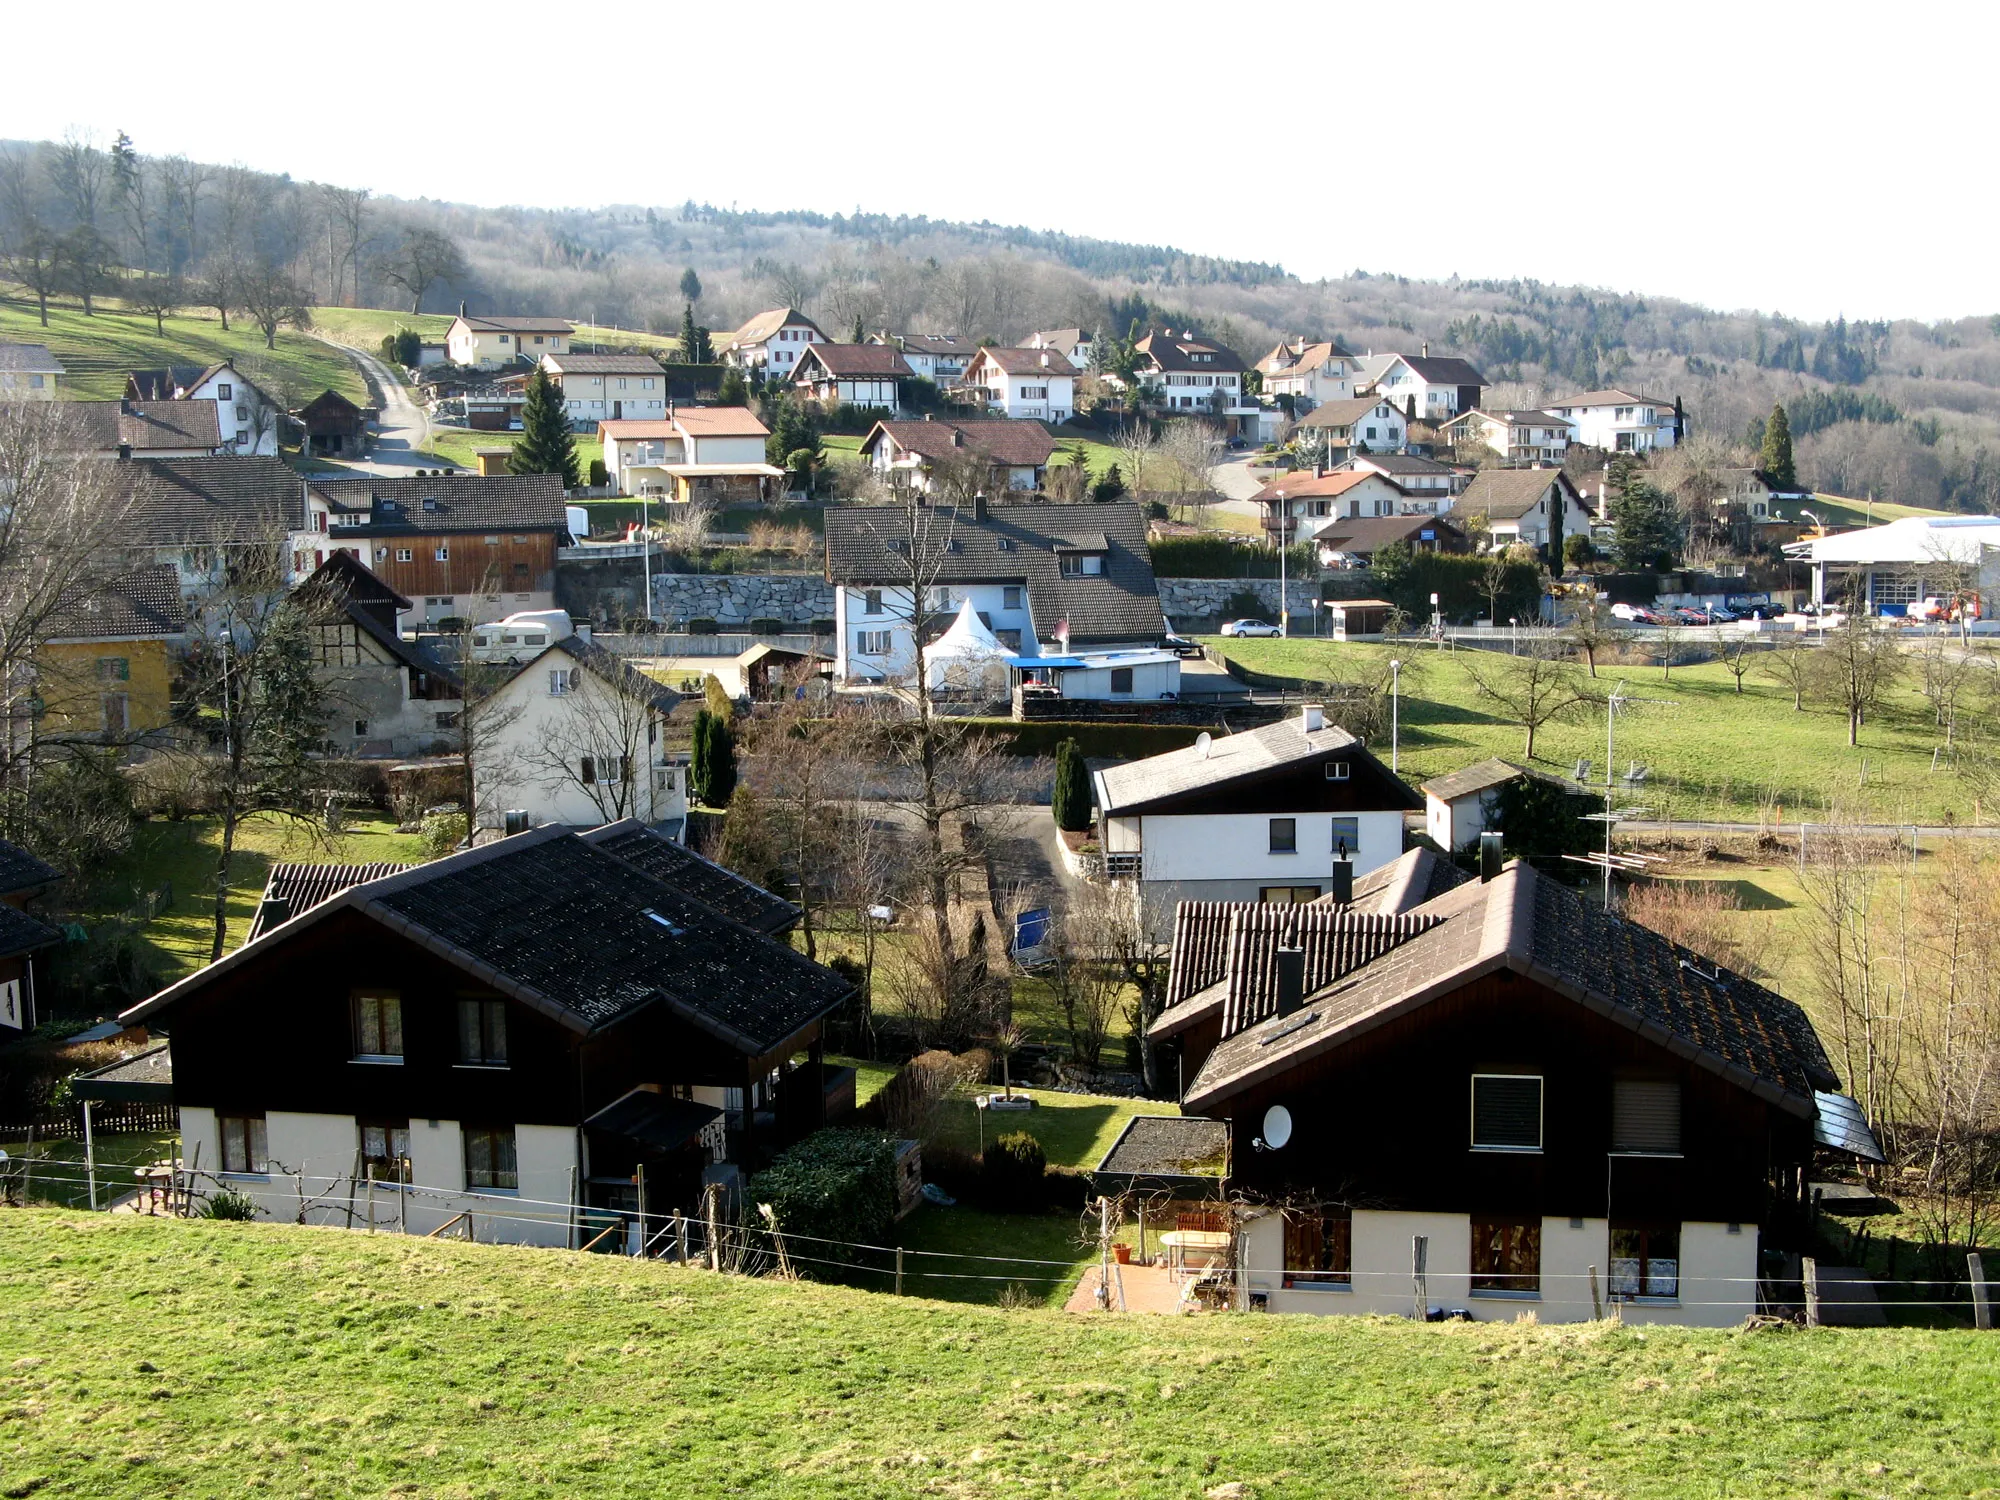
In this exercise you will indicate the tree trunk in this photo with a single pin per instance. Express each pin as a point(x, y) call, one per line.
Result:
point(221, 933)
point(1529, 751)
point(416, 304)
point(42, 301)
point(160, 325)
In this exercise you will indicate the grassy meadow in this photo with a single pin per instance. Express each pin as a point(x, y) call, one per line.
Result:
point(152, 1356)
point(1714, 754)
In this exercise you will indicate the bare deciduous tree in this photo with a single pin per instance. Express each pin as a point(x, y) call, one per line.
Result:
point(600, 745)
point(77, 167)
point(1790, 665)
point(422, 260)
point(1538, 686)
point(272, 299)
point(1857, 665)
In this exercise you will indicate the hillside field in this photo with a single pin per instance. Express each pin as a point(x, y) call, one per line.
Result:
point(154, 1356)
point(1714, 755)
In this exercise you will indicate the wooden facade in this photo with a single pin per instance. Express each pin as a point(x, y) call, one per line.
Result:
point(471, 562)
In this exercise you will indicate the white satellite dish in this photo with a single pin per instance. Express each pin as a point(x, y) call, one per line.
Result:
point(1277, 1126)
point(1201, 743)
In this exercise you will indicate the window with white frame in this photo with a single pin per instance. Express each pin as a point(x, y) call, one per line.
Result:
point(1646, 1116)
point(490, 1158)
point(245, 1147)
point(872, 643)
point(378, 1026)
point(385, 1149)
point(442, 554)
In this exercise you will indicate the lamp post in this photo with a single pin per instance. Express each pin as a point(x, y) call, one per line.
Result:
point(1284, 526)
point(1395, 714)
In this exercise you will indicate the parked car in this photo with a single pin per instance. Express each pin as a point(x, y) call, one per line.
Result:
point(1249, 628)
point(1634, 614)
point(1686, 616)
point(1722, 614)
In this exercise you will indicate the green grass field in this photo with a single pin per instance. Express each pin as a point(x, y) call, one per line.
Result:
point(1713, 754)
point(459, 446)
point(152, 1356)
point(100, 350)
point(366, 326)
point(1836, 510)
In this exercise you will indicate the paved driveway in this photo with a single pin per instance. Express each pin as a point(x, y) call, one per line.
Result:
point(402, 430)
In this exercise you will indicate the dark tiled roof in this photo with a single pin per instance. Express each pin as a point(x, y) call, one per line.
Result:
point(144, 1077)
point(22, 871)
point(1527, 923)
point(106, 425)
point(603, 364)
point(509, 323)
point(1121, 604)
point(1362, 535)
point(1490, 773)
point(293, 890)
point(1030, 361)
point(854, 361)
point(1016, 443)
point(1336, 941)
point(656, 1120)
point(1509, 494)
point(1442, 369)
point(201, 501)
point(463, 502)
point(614, 670)
point(1229, 757)
point(143, 603)
point(1169, 352)
point(708, 882)
point(1168, 1146)
point(946, 344)
point(1347, 413)
point(32, 359)
point(21, 933)
point(1406, 882)
point(1400, 463)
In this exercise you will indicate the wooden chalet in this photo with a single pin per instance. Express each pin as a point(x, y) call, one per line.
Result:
point(331, 426)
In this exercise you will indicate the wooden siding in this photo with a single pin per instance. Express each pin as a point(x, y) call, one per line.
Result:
point(478, 563)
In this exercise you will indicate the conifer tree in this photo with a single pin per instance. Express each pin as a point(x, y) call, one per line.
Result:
point(1072, 794)
point(733, 392)
point(696, 347)
point(1776, 458)
point(690, 285)
point(546, 445)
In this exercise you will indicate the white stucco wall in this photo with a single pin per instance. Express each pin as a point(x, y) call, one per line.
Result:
point(1148, 682)
point(1236, 846)
point(536, 720)
point(852, 620)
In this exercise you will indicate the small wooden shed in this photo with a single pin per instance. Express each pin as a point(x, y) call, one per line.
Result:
point(333, 426)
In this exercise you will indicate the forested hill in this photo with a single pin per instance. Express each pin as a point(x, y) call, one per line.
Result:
point(1905, 410)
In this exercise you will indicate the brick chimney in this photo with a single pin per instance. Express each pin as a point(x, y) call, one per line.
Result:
point(979, 505)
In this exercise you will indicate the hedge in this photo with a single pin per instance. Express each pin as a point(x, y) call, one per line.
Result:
point(1218, 557)
point(1093, 741)
point(835, 1184)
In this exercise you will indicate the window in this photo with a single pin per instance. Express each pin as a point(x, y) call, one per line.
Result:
point(385, 1149)
point(871, 602)
point(1506, 1256)
point(1346, 835)
point(1010, 596)
point(1034, 393)
point(445, 721)
point(404, 554)
point(1319, 1248)
point(244, 1148)
point(378, 1026)
point(242, 413)
point(1284, 835)
point(117, 710)
point(1506, 1112)
point(114, 669)
point(506, 338)
point(225, 392)
point(1336, 770)
point(538, 338)
point(482, 1033)
point(361, 729)
point(443, 554)
point(872, 642)
point(489, 1157)
point(645, 382)
point(242, 436)
point(1082, 565)
point(1645, 1260)
point(1287, 895)
point(1121, 679)
point(1646, 1116)
point(561, 681)
point(586, 770)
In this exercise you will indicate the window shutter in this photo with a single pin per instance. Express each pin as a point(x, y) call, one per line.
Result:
point(1507, 1112)
point(1646, 1116)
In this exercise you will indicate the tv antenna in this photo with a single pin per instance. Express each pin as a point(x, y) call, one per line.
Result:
point(1611, 817)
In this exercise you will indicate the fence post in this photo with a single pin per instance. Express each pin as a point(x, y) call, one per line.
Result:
point(1809, 1269)
point(1420, 1254)
point(1596, 1301)
point(713, 1213)
point(640, 1175)
point(899, 1270)
point(371, 1197)
point(1982, 1304)
point(89, 1154)
point(681, 1236)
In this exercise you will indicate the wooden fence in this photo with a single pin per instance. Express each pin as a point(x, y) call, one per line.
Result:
point(105, 1119)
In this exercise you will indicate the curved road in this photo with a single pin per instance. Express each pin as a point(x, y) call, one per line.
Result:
point(402, 431)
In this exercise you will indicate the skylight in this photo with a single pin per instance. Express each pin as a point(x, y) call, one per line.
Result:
point(674, 927)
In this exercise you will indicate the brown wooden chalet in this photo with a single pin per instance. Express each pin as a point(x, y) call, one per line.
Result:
point(1495, 1094)
point(548, 1019)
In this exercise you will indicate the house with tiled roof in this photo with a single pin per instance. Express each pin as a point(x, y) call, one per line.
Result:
point(771, 343)
point(1077, 345)
point(1428, 484)
point(1302, 504)
point(105, 672)
point(192, 513)
point(1501, 1100)
point(1025, 384)
point(712, 453)
point(146, 429)
point(538, 1033)
point(1311, 372)
point(382, 695)
point(608, 387)
point(488, 341)
point(1424, 387)
point(999, 453)
point(1336, 430)
point(868, 376)
point(1461, 805)
point(1620, 421)
point(1187, 374)
point(1538, 506)
point(473, 547)
point(246, 419)
point(1353, 542)
point(1044, 580)
point(28, 372)
point(1517, 436)
point(940, 358)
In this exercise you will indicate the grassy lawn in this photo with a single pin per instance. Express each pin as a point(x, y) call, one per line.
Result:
point(99, 351)
point(1837, 511)
point(152, 1356)
point(65, 1182)
point(458, 445)
point(1713, 753)
point(183, 855)
point(366, 326)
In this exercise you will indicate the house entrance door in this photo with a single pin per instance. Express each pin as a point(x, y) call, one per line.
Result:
point(617, 410)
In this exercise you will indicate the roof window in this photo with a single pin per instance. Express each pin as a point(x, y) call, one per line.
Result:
point(674, 927)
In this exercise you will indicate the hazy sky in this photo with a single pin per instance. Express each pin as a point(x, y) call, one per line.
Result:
point(1808, 159)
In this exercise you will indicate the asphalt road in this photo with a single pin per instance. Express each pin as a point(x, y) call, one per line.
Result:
point(402, 430)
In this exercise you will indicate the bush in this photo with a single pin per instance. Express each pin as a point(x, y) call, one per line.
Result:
point(442, 833)
point(1220, 557)
point(908, 1103)
point(599, 475)
point(228, 1205)
point(174, 787)
point(836, 1185)
point(767, 625)
point(703, 627)
point(1012, 1172)
point(824, 627)
point(957, 1171)
point(1068, 1189)
point(978, 1065)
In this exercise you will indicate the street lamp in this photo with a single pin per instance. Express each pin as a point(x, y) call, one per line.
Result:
point(1284, 525)
point(1395, 714)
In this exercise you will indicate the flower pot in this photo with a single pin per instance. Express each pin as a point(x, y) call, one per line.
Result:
point(1124, 1254)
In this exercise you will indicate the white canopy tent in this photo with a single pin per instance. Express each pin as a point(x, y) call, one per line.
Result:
point(968, 657)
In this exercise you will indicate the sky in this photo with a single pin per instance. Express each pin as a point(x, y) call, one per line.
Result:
point(1812, 160)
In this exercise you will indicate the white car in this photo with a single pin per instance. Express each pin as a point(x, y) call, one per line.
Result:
point(1249, 628)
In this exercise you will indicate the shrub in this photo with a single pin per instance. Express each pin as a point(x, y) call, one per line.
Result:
point(442, 833)
point(1220, 557)
point(229, 1205)
point(599, 475)
point(978, 1065)
point(824, 627)
point(1068, 1189)
point(767, 625)
point(1012, 1171)
point(908, 1104)
point(703, 627)
point(955, 1170)
point(835, 1184)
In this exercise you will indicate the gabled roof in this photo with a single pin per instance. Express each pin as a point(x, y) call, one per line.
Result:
point(1610, 396)
point(1509, 494)
point(934, 344)
point(1297, 356)
point(689, 421)
point(1406, 882)
point(1020, 444)
point(601, 364)
point(1300, 485)
point(705, 880)
point(1171, 352)
point(30, 359)
point(581, 936)
point(1016, 543)
point(1136, 786)
point(372, 606)
point(1362, 535)
point(761, 327)
point(854, 362)
point(1347, 413)
point(202, 501)
point(445, 503)
point(293, 890)
point(512, 323)
point(1526, 923)
point(139, 425)
point(1436, 369)
point(1408, 464)
point(21, 933)
point(1065, 339)
point(610, 668)
point(1026, 361)
point(1483, 775)
point(143, 604)
point(22, 871)
point(165, 384)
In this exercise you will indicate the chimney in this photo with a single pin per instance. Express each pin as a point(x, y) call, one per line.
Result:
point(461, 308)
point(124, 452)
point(1342, 885)
point(1490, 858)
point(272, 911)
point(979, 505)
point(1291, 968)
point(1426, 348)
point(957, 437)
point(1314, 717)
point(1319, 471)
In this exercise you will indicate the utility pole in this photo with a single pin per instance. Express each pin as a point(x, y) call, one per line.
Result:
point(1284, 544)
point(1395, 715)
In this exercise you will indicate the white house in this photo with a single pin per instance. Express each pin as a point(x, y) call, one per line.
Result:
point(247, 420)
point(1537, 506)
point(694, 453)
point(608, 387)
point(772, 342)
point(1300, 505)
point(1343, 427)
point(1619, 421)
point(1076, 345)
point(1430, 485)
point(1187, 374)
point(1287, 813)
point(940, 358)
point(1312, 374)
point(1424, 387)
point(1046, 580)
point(28, 372)
point(908, 455)
point(869, 376)
point(1519, 436)
point(577, 737)
point(1031, 384)
point(488, 342)
point(1461, 806)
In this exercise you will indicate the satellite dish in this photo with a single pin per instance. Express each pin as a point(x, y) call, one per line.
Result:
point(1201, 743)
point(1277, 1126)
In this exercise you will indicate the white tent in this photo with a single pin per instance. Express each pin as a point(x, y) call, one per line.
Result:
point(968, 656)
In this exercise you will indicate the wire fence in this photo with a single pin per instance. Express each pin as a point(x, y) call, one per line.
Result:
point(740, 1245)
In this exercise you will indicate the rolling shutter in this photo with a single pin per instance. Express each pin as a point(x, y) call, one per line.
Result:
point(1506, 1112)
point(1646, 1116)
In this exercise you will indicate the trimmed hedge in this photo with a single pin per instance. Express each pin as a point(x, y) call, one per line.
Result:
point(1109, 741)
point(1218, 557)
point(836, 1184)
point(1011, 1173)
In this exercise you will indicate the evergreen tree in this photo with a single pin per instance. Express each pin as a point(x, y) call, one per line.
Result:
point(1776, 457)
point(860, 333)
point(721, 763)
point(1646, 538)
point(696, 347)
point(733, 392)
point(1110, 487)
point(1072, 795)
point(546, 445)
point(704, 723)
point(690, 284)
